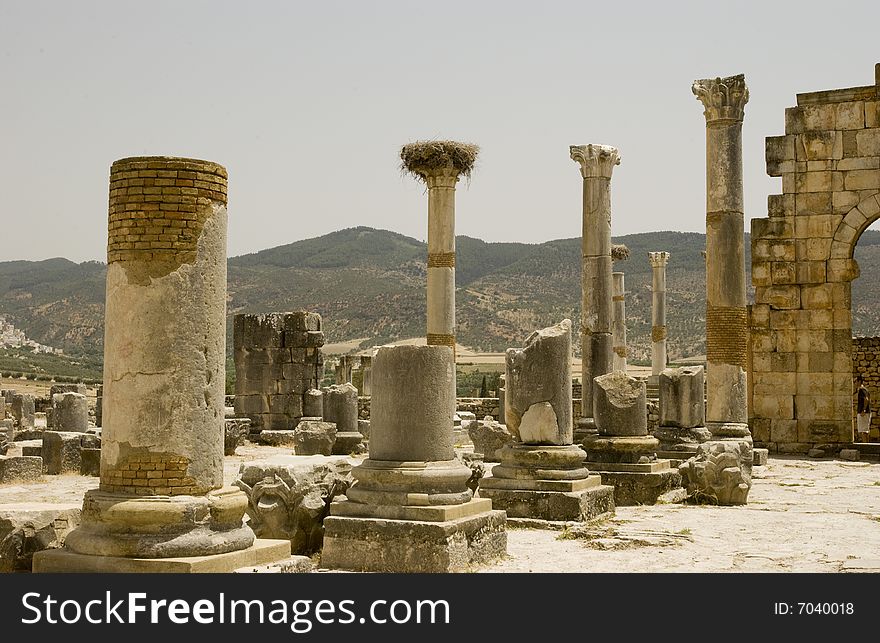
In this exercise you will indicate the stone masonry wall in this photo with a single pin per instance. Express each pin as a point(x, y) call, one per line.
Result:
point(866, 362)
point(802, 268)
point(277, 359)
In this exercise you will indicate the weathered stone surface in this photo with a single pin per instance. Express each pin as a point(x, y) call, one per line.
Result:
point(364, 428)
point(759, 457)
point(289, 496)
point(489, 437)
point(341, 406)
point(26, 529)
point(852, 455)
point(61, 452)
point(235, 433)
point(312, 437)
point(70, 412)
point(20, 469)
point(313, 403)
point(60, 389)
point(620, 405)
point(538, 376)
point(280, 438)
point(90, 462)
point(349, 443)
point(721, 472)
point(637, 488)
point(23, 410)
point(412, 546)
point(682, 397)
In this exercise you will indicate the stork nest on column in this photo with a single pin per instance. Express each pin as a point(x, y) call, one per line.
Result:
point(423, 158)
point(619, 252)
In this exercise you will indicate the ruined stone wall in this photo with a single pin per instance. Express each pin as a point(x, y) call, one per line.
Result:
point(802, 268)
point(277, 359)
point(866, 362)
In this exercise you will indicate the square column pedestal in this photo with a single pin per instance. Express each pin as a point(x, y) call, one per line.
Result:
point(628, 464)
point(547, 483)
point(377, 529)
point(262, 552)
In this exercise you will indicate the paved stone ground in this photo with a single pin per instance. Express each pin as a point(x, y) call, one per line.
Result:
point(803, 516)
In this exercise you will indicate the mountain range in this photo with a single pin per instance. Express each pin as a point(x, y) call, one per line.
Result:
point(369, 285)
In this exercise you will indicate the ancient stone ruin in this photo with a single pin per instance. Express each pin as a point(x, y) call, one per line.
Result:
point(542, 475)
point(161, 493)
point(277, 362)
point(410, 509)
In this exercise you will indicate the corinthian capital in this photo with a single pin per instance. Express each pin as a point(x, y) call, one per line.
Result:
point(658, 259)
point(595, 160)
point(722, 98)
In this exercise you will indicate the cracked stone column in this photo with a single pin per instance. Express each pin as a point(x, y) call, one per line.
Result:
point(161, 491)
point(727, 334)
point(440, 164)
point(618, 329)
point(658, 311)
point(596, 164)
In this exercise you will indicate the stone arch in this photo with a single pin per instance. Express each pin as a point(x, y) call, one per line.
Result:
point(851, 227)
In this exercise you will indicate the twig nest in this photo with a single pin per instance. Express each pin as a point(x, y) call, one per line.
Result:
point(424, 158)
point(619, 252)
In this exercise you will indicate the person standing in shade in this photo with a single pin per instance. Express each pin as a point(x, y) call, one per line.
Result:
point(863, 412)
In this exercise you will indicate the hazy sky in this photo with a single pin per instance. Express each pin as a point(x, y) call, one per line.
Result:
point(307, 104)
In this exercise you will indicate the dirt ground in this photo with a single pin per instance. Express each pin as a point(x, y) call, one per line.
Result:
point(803, 516)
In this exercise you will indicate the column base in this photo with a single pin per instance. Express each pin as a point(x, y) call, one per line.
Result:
point(619, 449)
point(728, 429)
point(638, 484)
point(584, 428)
point(115, 525)
point(678, 439)
point(261, 552)
point(368, 544)
point(348, 442)
point(546, 483)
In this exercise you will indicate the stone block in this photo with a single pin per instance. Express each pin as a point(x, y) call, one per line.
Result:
point(850, 115)
point(779, 148)
point(779, 297)
point(852, 455)
point(814, 407)
point(90, 462)
point(810, 272)
point(619, 405)
point(817, 297)
point(70, 412)
point(759, 457)
point(681, 393)
point(818, 145)
point(489, 437)
point(782, 272)
point(340, 403)
point(15, 469)
point(396, 546)
point(587, 504)
point(778, 205)
point(783, 430)
point(312, 437)
point(61, 452)
point(862, 180)
point(26, 529)
point(633, 489)
point(277, 437)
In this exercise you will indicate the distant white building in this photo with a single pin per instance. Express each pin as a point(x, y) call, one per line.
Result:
point(12, 337)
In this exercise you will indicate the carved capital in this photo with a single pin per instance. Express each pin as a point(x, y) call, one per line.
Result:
point(595, 160)
point(445, 177)
point(723, 98)
point(658, 259)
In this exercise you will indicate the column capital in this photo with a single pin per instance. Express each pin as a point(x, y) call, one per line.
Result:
point(595, 160)
point(724, 99)
point(658, 259)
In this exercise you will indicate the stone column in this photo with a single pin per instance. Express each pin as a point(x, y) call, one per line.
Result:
point(618, 328)
point(658, 311)
point(411, 509)
point(341, 408)
point(440, 164)
point(596, 164)
point(161, 489)
point(727, 333)
point(367, 370)
point(542, 474)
